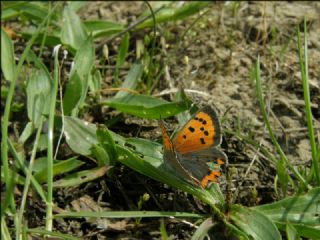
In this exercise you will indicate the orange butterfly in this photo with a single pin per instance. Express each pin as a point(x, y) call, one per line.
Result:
point(194, 146)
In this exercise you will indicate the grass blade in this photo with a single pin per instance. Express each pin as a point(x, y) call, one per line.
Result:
point(42, 232)
point(266, 121)
point(7, 110)
point(50, 150)
point(303, 60)
point(127, 214)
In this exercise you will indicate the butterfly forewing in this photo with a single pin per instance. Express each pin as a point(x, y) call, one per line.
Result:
point(201, 132)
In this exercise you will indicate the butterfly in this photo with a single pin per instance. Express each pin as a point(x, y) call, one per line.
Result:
point(190, 152)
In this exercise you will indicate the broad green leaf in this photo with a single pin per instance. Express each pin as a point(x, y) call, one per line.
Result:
point(154, 168)
point(84, 58)
point(253, 223)
point(18, 178)
point(77, 87)
point(36, 11)
point(59, 167)
point(291, 232)
point(8, 13)
point(174, 13)
point(80, 135)
point(122, 53)
point(146, 107)
point(203, 229)
point(77, 5)
point(51, 39)
point(131, 81)
point(127, 214)
point(211, 228)
point(81, 177)
point(38, 92)
point(190, 8)
point(123, 50)
point(106, 140)
point(301, 211)
point(72, 94)
point(99, 153)
point(140, 155)
point(8, 65)
point(94, 83)
point(102, 28)
point(43, 142)
point(26, 133)
point(144, 147)
point(40, 164)
point(73, 32)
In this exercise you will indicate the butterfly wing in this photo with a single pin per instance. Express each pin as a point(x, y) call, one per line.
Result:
point(170, 157)
point(201, 132)
point(196, 164)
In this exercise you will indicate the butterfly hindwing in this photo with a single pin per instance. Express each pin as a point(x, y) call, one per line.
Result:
point(196, 164)
point(201, 132)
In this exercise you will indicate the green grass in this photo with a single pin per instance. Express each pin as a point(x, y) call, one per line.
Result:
point(42, 174)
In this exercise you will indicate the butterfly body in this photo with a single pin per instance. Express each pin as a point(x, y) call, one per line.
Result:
point(193, 147)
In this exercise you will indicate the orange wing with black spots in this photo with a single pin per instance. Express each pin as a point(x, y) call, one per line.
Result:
point(201, 132)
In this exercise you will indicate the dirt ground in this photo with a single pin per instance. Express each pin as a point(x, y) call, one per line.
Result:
point(213, 62)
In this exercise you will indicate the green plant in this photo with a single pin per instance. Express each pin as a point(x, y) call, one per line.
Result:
point(61, 103)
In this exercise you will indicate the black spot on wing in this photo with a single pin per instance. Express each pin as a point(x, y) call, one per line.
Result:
point(191, 129)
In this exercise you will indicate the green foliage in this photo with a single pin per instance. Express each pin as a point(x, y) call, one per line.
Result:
point(77, 86)
point(131, 81)
point(298, 216)
point(102, 28)
point(123, 50)
point(59, 167)
point(254, 224)
point(8, 66)
point(300, 212)
point(145, 106)
point(73, 32)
